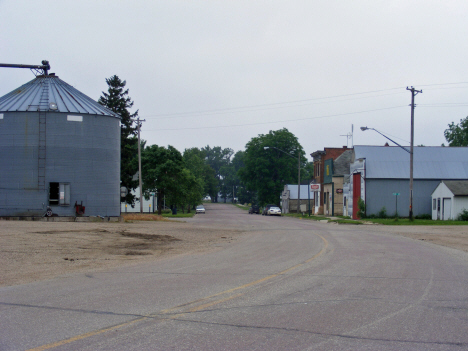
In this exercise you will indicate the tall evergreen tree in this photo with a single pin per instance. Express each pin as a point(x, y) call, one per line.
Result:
point(117, 100)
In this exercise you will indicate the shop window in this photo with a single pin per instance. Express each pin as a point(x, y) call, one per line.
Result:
point(59, 194)
point(434, 204)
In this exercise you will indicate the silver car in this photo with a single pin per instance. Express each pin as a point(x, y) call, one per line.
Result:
point(200, 209)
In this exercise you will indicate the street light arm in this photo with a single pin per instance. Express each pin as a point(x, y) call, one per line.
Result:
point(284, 152)
point(366, 128)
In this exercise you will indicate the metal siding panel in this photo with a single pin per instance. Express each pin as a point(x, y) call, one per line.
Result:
point(379, 194)
point(76, 152)
point(431, 162)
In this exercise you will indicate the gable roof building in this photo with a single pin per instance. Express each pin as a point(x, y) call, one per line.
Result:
point(449, 199)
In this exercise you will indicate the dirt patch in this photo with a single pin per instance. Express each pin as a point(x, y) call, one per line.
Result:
point(31, 251)
point(454, 236)
point(151, 237)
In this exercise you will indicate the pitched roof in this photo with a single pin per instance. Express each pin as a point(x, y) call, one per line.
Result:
point(50, 93)
point(429, 162)
point(457, 187)
point(341, 164)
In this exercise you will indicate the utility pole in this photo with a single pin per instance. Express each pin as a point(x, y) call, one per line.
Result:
point(298, 180)
point(139, 164)
point(414, 92)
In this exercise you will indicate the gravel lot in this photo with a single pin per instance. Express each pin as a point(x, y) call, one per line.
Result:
point(31, 251)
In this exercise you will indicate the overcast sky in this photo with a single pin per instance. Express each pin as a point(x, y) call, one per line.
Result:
point(221, 72)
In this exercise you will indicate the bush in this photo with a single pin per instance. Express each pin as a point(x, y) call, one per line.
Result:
point(463, 215)
point(361, 213)
point(382, 213)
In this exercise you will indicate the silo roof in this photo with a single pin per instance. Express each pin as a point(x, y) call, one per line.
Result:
point(50, 93)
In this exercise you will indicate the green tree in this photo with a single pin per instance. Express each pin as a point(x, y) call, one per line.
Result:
point(457, 134)
point(189, 192)
point(117, 100)
point(231, 181)
point(308, 172)
point(218, 158)
point(162, 173)
point(267, 171)
point(195, 161)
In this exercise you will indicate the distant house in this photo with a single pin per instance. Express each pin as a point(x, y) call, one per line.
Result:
point(289, 198)
point(449, 199)
point(380, 176)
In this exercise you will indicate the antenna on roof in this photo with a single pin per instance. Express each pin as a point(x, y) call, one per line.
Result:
point(36, 69)
point(349, 136)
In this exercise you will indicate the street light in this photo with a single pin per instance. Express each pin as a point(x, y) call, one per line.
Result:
point(298, 172)
point(411, 166)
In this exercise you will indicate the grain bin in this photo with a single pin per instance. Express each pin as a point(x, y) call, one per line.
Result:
point(58, 148)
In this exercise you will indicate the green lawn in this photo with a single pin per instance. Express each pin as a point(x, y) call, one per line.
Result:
point(179, 215)
point(299, 215)
point(406, 221)
point(383, 221)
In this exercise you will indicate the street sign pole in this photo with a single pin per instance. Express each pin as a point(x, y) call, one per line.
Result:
point(396, 203)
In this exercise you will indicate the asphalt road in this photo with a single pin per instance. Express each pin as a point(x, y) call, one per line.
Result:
point(287, 284)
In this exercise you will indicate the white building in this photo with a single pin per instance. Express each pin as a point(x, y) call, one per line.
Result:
point(449, 199)
point(289, 198)
point(149, 206)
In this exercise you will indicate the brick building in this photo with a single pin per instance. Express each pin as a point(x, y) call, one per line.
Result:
point(321, 170)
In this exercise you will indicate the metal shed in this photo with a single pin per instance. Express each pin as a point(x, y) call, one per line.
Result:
point(378, 173)
point(58, 148)
point(449, 199)
point(289, 198)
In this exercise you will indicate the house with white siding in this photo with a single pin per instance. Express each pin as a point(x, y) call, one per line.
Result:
point(449, 199)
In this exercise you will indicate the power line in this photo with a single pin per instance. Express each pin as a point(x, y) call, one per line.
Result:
point(293, 103)
point(263, 109)
point(445, 104)
point(441, 84)
point(280, 121)
point(271, 105)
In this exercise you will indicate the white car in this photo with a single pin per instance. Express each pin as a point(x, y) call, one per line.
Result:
point(200, 209)
point(274, 211)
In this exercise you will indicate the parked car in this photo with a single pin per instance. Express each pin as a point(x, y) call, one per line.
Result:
point(254, 209)
point(274, 211)
point(200, 209)
point(266, 208)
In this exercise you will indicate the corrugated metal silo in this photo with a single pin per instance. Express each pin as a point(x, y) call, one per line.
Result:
point(58, 147)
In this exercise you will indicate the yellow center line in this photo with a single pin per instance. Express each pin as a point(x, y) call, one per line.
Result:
point(193, 309)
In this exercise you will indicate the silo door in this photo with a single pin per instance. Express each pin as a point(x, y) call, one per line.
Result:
point(447, 209)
